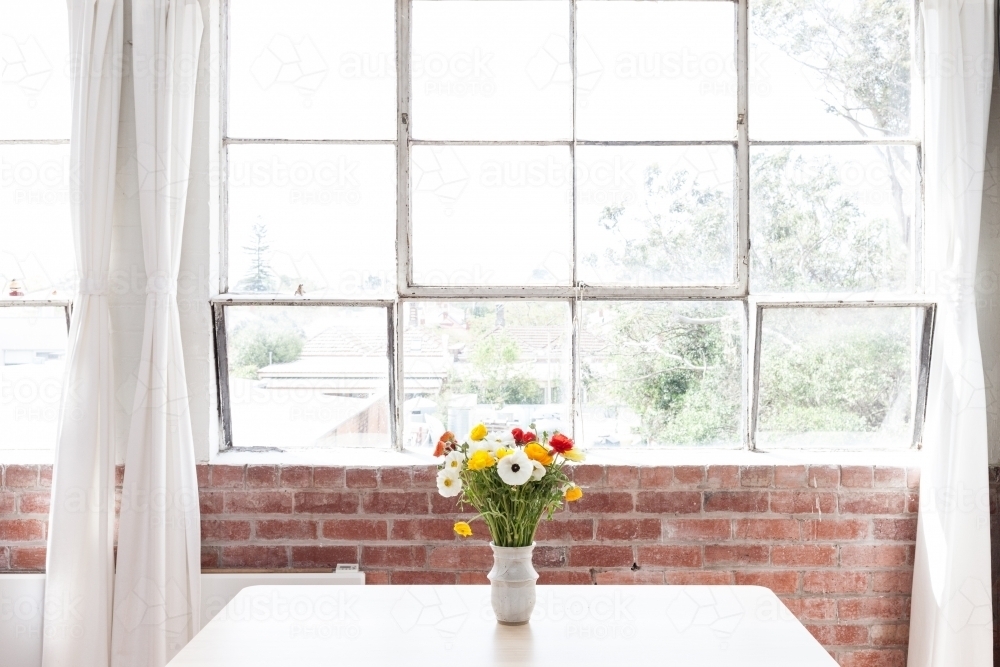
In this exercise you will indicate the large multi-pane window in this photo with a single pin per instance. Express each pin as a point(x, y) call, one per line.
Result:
point(660, 223)
point(36, 242)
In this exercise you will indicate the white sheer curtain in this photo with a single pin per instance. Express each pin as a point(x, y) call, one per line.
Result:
point(951, 618)
point(80, 561)
point(157, 589)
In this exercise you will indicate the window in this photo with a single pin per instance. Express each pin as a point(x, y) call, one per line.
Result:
point(36, 241)
point(653, 224)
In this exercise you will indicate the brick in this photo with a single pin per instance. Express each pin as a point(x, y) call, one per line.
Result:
point(803, 502)
point(252, 556)
point(423, 578)
point(779, 582)
point(669, 556)
point(600, 556)
point(8, 503)
point(211, 502)
point(834, 581)
point(427, 529)
point(379, 556)
point(329, 478)
point(857, 477)
point(890, 478)
point(872, 502)
point(209, 557)
point(225, 531)
point(904, 530)
point(258, 502)
point(892, 582)
point(627, 577)
point(228, 477)
point(296, 477)
point(323, 556)
point(766, 529)
point(689, 476)
point(564, 577)
point(376, 578)
point(325, 502)
point(395, 478)
point(622, 477)
point(425, 477)
point(743, 554)
point(736, 501)
point(698, 578)
point(823, 477)
point(31, 502)
point(873, 658)
point(546, 556)
point(874, 608)
point(355, 529)
point(790, 477)
point(22, 530)
point(912, 502)
point(658, 477)
point(588, 475)
point(362, 478)
point(873, 555)
point(395, 502)
point(203, 472)
point(697, 529)
point(119, 476)
point(603, 502)
point(811, 609)
point(628, 529)
point(913, 478)
point(21, 476)
point(668, 502)
point(722, 477)
point(45, 476)
point(473, 578)
point(564, 530)
point(262, 477)
point(285, 529)
point(756, 476)
point(27, 558)
point(838, 530)
point(455, 557)
point(440, 505)
point(804, 555)
point(839, 635)
point(897, 634)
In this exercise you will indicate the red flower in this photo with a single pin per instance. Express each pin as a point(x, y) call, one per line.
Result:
point(518, 435)
point(529, 437)
point(560, 443)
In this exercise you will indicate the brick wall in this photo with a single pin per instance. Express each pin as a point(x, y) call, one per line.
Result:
point(835, 543)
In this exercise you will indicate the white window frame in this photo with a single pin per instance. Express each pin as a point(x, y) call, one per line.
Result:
point(578, 292)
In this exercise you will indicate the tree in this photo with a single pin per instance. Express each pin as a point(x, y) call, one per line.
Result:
point(497, 374)
point(259, 277)
point(263, 342)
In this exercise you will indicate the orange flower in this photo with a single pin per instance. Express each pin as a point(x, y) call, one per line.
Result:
point(536, 452)
point(573, 493)
point(445, 444)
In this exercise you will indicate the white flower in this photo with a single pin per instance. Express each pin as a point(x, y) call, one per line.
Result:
point(485, 444)
point(537, 471)
point(454, 461)
point(515, 469)
point(449, 483)
point(502, 439)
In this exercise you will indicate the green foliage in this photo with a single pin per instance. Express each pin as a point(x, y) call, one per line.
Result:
point(262, 343)
point(497, 375)
point(259, 278)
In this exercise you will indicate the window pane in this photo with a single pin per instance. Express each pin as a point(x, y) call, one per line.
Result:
point(656, 215)
point(303, 376)
point(657, 373)
point(832, 218)
point(838, 377)
point(656, 70)
point(491, 215)
point(36, 241)
point(317, 216)
point(34, 70)
point(827, 69)
point(312, 69)
point(32, 359)
point(502, 363)
point(489, 69)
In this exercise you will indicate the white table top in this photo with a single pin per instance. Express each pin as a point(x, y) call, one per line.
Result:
point(395, 626)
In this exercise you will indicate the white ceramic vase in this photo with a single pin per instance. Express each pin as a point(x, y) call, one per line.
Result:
point(512, 582)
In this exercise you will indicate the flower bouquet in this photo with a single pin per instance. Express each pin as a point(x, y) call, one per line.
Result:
point(512, 479)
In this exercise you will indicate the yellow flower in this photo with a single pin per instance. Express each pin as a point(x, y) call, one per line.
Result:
point(574, 493)
point(462, 528)
point(536, 452)
point(503, 451)
point(574, 455)
point(478, 432)
point(481, 460)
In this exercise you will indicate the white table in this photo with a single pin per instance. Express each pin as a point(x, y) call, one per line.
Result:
point(600, 626)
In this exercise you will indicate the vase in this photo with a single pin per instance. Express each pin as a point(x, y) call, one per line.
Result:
point(512, 584)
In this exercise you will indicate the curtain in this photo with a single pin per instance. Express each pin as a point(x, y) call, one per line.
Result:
point(157, 585)
point(80, 557)
point(951, 616)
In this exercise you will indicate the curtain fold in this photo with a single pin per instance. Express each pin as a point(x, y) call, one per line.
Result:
point(951, 617)
point(157, 585)
point(80, 555)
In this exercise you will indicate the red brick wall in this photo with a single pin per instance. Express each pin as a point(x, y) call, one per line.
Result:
point(836, 543)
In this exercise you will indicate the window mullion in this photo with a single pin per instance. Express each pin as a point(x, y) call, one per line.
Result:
point(743, 208)
point(404, 271)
